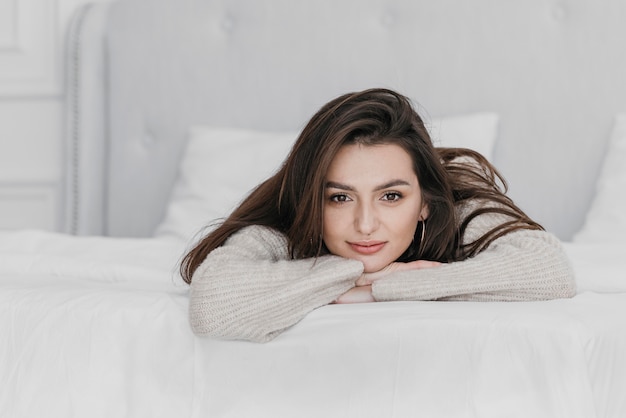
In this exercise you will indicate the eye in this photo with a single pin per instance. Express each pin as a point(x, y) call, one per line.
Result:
point(392, 196)
point(339, 198)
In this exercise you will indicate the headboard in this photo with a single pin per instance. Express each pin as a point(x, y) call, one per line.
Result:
point(142, 71)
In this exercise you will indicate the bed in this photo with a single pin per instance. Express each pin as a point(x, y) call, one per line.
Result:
point(171, 103)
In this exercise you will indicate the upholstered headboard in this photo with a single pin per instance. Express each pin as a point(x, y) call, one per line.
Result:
point(142, 71)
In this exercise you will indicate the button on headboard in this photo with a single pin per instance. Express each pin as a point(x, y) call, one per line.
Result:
point(552, 70)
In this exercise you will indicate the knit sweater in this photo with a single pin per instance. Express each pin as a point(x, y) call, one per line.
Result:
point(251, 289)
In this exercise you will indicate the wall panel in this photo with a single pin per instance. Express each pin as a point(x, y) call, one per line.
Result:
point(29, 45)
point(31, 111)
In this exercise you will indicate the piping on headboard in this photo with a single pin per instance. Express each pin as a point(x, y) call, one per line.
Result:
point(72, 190)
point(85, 132)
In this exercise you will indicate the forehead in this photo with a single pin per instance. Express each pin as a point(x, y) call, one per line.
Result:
point(372, 161)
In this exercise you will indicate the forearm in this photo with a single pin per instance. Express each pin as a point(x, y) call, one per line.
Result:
point(237, 297)
point(525, 265)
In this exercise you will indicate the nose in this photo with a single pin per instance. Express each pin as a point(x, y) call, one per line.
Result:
point(366, 219)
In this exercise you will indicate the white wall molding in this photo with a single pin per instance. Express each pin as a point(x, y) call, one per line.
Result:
point(29, 48)
point(28, 205)
point(32, 55)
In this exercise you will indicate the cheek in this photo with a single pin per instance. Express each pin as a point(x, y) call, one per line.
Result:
point(405, 236)
point(404, 225)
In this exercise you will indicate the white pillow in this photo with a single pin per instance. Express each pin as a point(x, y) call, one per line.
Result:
point(606, 219)
point(220, 166)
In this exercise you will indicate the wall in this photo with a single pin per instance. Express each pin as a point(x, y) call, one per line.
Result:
point(31, 111)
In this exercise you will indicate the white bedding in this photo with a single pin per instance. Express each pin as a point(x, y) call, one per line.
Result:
point(98, 327)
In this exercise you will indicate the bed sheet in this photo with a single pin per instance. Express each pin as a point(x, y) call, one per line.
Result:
point(98, 327)
point(547, 359)
point(92, 327)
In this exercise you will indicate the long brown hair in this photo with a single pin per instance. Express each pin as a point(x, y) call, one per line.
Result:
point(291, 201)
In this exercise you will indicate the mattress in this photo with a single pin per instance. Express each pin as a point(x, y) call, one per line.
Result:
point(97, 327)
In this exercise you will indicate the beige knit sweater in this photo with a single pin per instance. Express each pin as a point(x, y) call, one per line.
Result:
point(250, 288)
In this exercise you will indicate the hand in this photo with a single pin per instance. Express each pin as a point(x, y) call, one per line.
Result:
point(369, 278)
point(360, 294)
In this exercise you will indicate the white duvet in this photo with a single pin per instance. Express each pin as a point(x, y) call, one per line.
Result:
point(97, 327)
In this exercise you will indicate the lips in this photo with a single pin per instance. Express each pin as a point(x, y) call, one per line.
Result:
point(367, 247)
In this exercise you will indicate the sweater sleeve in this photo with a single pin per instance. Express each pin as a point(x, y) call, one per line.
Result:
point(523, 265)
point(250, 289)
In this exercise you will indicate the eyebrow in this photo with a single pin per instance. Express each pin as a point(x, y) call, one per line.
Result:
point(392, 183)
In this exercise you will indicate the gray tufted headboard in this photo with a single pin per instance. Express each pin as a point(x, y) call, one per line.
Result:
point(142, 71)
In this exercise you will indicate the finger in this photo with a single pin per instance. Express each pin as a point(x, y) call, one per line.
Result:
point(356, 295)
point(369, 278)
point(426, 264)
point(364, 280)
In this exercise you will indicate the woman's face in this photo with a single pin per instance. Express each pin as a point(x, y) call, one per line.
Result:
point(372, 204)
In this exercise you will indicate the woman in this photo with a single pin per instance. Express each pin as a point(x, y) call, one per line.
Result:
point(366, 209)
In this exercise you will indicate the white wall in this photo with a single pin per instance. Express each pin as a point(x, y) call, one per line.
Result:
point(31, 111)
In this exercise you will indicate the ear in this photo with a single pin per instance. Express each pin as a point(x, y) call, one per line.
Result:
point(424, 213)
